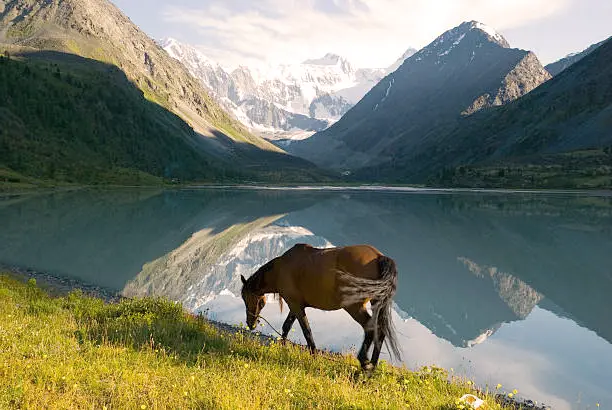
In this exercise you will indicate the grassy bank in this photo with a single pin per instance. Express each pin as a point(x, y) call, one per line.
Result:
point(78, 352)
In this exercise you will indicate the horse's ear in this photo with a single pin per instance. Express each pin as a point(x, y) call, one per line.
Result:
point(243, 280)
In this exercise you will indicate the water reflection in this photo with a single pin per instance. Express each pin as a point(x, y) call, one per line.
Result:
point(506, 288)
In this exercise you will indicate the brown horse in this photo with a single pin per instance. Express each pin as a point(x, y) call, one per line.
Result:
point(330, 279)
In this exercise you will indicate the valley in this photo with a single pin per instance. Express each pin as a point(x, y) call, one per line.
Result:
point(467, 110)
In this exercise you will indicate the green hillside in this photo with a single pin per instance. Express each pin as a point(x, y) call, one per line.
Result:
point(83, 121)
point(89, 98)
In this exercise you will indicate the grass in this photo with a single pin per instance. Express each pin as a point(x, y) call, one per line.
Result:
point(79, 352)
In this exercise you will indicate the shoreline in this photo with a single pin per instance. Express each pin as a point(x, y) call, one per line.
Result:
point(314, 187)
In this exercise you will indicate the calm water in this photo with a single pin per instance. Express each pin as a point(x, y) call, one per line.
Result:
point(509, 288)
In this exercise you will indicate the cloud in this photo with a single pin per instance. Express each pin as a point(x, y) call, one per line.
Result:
point(369, 33)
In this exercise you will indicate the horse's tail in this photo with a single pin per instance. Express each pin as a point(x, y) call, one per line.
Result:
point(383, 309)
point(381, 291)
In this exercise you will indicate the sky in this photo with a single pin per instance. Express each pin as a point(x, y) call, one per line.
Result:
point(369, 33)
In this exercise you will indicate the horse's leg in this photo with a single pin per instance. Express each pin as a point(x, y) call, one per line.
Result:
point(378, 342)
point(303, 320)
point(377, 346)
point(287, 325)
point(361, 316)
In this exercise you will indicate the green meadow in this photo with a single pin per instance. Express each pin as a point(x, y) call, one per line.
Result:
point(78, 352)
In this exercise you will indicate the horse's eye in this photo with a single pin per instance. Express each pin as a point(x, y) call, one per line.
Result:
point(261, 303)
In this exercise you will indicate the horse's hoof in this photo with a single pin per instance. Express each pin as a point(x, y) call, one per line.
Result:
point(367, 367)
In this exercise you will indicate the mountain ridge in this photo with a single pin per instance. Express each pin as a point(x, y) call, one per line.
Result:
point(558, 135)
point(558, 66)
point(290, 100)
point(464, 70)
point(96, 30)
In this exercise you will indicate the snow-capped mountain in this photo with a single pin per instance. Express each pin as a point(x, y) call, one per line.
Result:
point(284, 101)
point(464, 70)
point(408, 53)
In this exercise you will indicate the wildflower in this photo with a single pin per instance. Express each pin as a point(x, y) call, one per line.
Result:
point(469, 382)
point(246, 365)
point(515, 391)
point(192, 378)
point(510, 395)
point(287, 391)
point(143, 406)
point(597, 404)
point(498, 386)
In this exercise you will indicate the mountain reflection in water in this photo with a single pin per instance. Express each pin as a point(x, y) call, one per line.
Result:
point(507, 288)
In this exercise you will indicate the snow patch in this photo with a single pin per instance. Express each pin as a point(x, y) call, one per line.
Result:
point(489, 30)
point(389, 88)
point(455, 44)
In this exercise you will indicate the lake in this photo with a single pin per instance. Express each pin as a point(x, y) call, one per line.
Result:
point(502, 287)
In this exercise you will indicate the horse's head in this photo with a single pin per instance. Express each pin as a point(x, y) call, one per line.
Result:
point(254, 304)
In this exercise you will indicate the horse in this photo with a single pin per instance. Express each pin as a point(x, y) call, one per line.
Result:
point(330, 279)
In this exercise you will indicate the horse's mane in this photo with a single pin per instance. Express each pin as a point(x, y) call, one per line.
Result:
point(255, 282)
